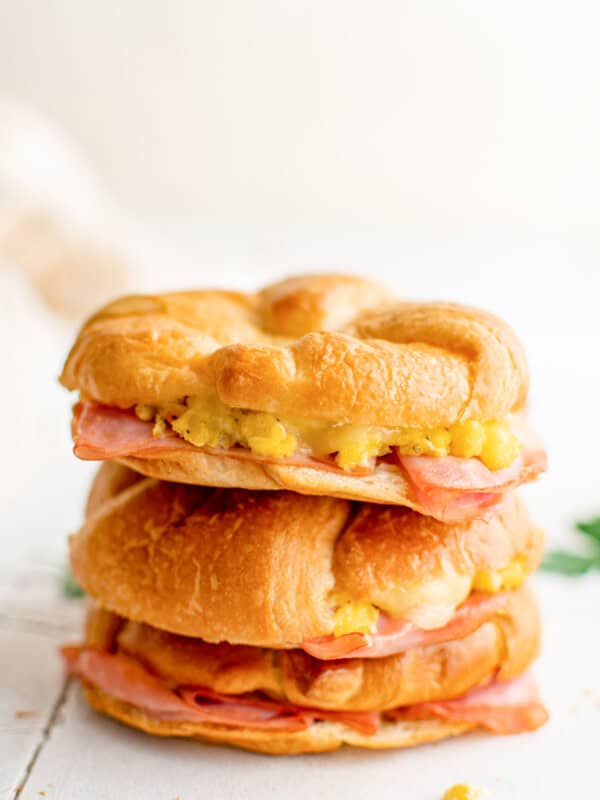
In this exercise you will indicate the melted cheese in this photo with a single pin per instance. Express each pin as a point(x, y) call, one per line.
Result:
point(205, 421)
point(430, 605)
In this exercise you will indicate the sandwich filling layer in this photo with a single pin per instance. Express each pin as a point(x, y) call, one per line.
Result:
point(205, 421)
point(499, 648)
point(388, 635)
point(500, 706)
point(446, 486)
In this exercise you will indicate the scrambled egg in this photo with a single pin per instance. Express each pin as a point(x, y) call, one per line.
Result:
point(205, 421)
point(355, 617)
point(510, 577)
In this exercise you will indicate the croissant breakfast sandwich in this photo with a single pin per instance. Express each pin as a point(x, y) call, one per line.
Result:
point(323, 385)
point(287, 623)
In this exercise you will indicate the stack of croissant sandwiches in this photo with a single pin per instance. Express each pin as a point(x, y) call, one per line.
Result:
point(304, 532)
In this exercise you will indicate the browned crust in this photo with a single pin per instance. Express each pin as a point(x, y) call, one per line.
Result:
point(409, 365)
point(386, 546)
point(259, 567)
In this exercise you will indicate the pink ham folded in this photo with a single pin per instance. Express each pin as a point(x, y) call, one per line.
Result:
point(126, 679)
point(447, 486)
point(366, 722)
point(501, 707)
point(395, 635)
point(103, 432)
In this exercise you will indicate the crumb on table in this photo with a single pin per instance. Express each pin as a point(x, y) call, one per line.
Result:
point(24, 713)
point(462, 791)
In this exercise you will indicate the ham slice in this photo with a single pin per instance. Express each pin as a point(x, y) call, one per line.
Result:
point(126, 679)
point(448, 487)
point(366, 722)
point(501, 707)
point(395, 635)
point(459, 474)
point(103, 432)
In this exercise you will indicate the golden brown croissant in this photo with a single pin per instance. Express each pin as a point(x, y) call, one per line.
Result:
point(275, 568)
point(136, 659)
point(318, 384)
point(306, 347)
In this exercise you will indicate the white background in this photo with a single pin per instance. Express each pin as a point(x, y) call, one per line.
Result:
point(433, 114)
point(449, 149)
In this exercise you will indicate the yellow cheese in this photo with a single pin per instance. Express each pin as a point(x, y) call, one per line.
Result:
point(205, 421)
point(430, 605)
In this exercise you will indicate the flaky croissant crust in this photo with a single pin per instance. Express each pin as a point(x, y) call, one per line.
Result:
point(261, 568)
point(326, 347)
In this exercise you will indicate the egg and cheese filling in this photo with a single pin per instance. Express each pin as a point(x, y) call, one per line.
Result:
point(207, 422)
point(430, 605)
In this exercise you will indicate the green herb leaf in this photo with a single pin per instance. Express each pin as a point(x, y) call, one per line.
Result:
point(590, 528)
point(70, 587)
point(566, 563)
